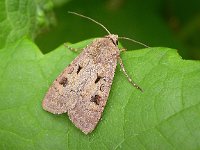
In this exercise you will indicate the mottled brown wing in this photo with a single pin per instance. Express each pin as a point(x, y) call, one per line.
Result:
point(82, 89)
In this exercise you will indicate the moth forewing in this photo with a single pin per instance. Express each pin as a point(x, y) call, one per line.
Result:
point(82, 89)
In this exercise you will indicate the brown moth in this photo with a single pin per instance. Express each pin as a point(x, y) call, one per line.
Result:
point(82, 89)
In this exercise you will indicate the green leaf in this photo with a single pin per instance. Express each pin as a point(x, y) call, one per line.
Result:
point(164, 116)
point(23, 18)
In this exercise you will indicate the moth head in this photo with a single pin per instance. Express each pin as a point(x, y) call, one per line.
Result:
point(113, 38)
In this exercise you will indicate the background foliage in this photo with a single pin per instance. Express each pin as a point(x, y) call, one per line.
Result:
point(167, 23)
point(32, 55)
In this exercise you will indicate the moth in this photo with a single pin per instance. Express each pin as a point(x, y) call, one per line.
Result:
point(82, 89)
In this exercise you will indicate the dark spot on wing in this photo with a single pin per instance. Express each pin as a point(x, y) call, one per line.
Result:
point(97, 79)
point(102, 87)
point(96, 99)
point(79, 69)
point(63, 82)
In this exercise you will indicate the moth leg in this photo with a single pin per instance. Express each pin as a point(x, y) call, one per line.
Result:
point(122, 49)
point(127, 76)
point(71, 48)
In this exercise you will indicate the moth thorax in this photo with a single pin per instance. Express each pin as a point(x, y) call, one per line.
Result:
point(114, 38)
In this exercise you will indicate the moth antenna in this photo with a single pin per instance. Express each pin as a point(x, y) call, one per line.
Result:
point(80, 15)
point(129, 39)
point(127, 76)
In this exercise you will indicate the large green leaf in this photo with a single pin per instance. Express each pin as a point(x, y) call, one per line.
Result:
point(164, 116)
